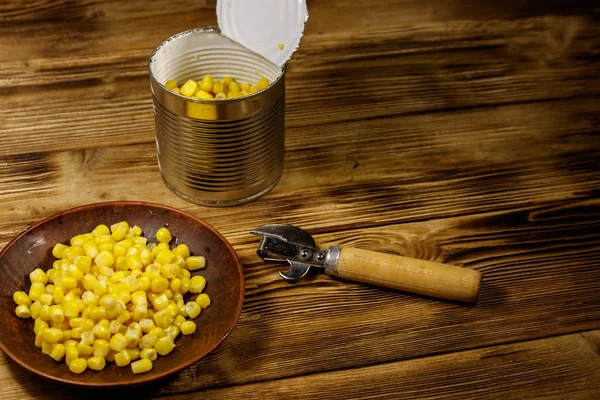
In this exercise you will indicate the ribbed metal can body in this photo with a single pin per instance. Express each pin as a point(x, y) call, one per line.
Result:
point(217, 152)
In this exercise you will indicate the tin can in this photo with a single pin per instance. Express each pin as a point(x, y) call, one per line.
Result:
point(217, 152)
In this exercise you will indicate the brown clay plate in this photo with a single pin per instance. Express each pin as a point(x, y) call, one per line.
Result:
point(33, 249)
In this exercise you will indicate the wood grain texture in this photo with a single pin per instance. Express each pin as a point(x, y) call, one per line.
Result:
point(457, 131)
point(564, 367)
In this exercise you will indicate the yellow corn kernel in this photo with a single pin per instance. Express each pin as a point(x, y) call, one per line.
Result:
point(197, 284)
point(89, 298)
point(192, 309)
point(220, 96)
point(132, 251)
point(74, 272)
point(152, 270)
point(118, 342)
point(159, 247)
point(71, 309)
point(96, 363)
point(188, 327)
point(36, 290)
point(100, 348)
point(140, 312)
point(158, 331)
point(206, 83)
point(57, 314)
point(106, 271)
point(146, 324)
point(177, 297)
point(217, 87)
point(76, 292)
point(58, 294)
point(201, 94)
point(101, 332)
point(58, 251)
point(39, 326)
point(119, 231)
point(144, 283)
point(134, 353)
point(169, 271)
point(189, 88)
point(72, 252)
point(38, 275)
point(52, 273)
point(120, 263)
point(35, 308)
point(124, 316)
point(58, 352)
point(162, 319)
point(195, 262)
point(39, 339)
point(97, 313)
point(141, 366)
point(234, 94)
point(172, 332)
point(170, 84)
point(52, 335)
point(148, 341)
point(78, 365)
point(184, 287)
point(67, 282)
point(120, 249)
point(89, 281)
point(71, 353)
point(164, 346)
point(22, 311)
point(104, 259)
point(87, 337)
point(108, 301)
point(78, 240)
point(90, 248)
point(227, 80)
point(159, 284)
point(163, 235)
point(101, 230)
point(133, 261)
point(122, 358)
point(233, 86)
point(146, 257)
point(181, 250)
point(139, 297)
point(253, 89)
point(245, 86)
point(203, 300)
point(47, 347)
point(105, 246)
point(63, 326)
point(179, 319)
point(262, 83)
point(175, 284)
point(114, 327)
point(165, 256)
point(149, 354)
point(184, 273)
point(100, 288)
point(45, 312)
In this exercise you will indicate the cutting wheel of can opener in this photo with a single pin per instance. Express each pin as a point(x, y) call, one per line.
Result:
point(291, 245)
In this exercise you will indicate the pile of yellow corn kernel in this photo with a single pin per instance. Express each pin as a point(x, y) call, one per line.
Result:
point(113, 297)
point(210, 89)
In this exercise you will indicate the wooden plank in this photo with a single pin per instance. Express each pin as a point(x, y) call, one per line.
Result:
point(369, 173)
point(414, 69)
point(555, 368)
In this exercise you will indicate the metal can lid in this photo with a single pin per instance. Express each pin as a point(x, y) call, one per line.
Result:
point(271, 28)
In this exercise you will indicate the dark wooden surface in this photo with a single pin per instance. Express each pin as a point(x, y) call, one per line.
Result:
point(460, 131)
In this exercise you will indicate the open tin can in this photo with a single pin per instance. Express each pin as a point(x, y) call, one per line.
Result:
point(219, 152)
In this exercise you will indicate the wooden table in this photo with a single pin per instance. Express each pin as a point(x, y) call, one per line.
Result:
point(461, 131)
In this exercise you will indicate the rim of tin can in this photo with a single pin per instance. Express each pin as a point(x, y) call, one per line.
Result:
point(208, 29)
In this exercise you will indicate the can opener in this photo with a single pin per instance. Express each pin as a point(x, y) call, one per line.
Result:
point(288, 244)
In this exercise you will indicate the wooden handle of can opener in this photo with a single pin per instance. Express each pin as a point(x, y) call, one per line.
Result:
point(409, 274)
